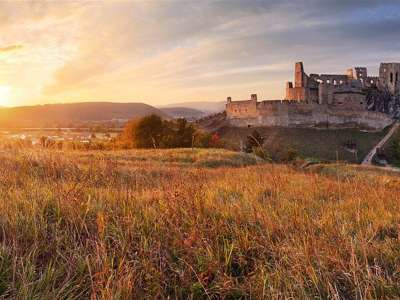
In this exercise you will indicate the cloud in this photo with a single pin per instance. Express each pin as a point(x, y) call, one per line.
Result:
point(10, 48)
point(164, 50)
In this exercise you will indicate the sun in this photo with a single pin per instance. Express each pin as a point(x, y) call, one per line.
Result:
point(5, 94)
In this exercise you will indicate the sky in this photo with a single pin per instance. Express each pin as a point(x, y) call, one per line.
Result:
point(161, 52)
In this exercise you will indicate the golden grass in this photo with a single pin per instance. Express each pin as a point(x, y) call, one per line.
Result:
point(159, 224)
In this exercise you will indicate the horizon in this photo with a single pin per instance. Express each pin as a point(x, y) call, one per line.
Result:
point(162, 53)
point(172, 104)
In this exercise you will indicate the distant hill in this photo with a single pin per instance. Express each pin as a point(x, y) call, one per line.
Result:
point(72, 114)
point(207, 107)
point(183, 112)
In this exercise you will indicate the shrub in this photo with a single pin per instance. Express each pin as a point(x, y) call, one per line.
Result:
point(254, 140)
point(290, 155)
point(395, 151)
point(261, 153)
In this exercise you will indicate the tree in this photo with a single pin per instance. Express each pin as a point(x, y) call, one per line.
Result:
point(146, 132)
point(153, 132)
point(185, 133)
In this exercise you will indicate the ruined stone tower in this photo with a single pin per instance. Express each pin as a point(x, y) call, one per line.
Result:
point(299, 77)
point(389, 77)
point(299, 92)
point(361, 73)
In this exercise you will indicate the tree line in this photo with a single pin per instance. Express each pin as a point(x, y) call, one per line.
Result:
point(154, 132)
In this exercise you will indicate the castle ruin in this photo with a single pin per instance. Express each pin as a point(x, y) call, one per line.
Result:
point(321, 100)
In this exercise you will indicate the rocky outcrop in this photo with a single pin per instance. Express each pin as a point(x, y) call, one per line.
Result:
point(382, 101)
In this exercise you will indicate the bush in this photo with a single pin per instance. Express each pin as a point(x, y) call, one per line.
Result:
point(261, 153)
point(254, 140)
point(290, 155)
point(395, 151)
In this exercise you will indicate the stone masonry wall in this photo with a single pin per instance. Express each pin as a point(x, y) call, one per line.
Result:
point(241, 109)
point(295, 114)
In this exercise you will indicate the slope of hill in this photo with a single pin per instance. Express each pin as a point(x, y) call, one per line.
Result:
point(194, 224)
point(72, 113)
point(207, 107)
point(183, 112)
point(390, 151)
point(327, 145)
point(308, 142)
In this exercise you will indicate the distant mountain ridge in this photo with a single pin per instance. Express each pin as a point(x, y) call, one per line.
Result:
point(208, 107)
point(68, 114)
point(184, 112)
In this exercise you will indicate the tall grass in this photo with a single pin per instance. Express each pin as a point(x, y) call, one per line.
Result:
point(167, 224)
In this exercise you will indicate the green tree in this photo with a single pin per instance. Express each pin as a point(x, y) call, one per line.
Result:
point(184, 133)
point(146, 132)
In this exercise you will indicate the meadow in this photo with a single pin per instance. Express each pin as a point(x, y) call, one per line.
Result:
point(194, 224)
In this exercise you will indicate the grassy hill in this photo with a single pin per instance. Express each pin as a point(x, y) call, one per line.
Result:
point(51, 115)
point(203, 224)
point(308, 142)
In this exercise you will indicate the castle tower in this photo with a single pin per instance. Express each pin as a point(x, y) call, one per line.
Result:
point(254, 97)
point(361, 73)
point(301, 90)
point(299, 76)
point(389, 77)
point(350, 73)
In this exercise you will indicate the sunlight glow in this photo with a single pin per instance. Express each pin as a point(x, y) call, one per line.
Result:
point(5, 93)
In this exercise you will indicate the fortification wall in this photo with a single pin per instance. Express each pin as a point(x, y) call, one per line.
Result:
point(241, 109)
point(349, 101)
point(296, 93)
point(295, 114)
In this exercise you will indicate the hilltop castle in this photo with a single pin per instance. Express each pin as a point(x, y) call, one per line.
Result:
point(346, 89)
point(322, 100)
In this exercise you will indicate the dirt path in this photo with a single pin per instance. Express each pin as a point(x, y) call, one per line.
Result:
point(368, 159)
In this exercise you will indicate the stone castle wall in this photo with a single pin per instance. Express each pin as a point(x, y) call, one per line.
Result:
point(298, 114)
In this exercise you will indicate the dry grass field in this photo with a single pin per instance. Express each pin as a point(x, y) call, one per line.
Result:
point(202, 224)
